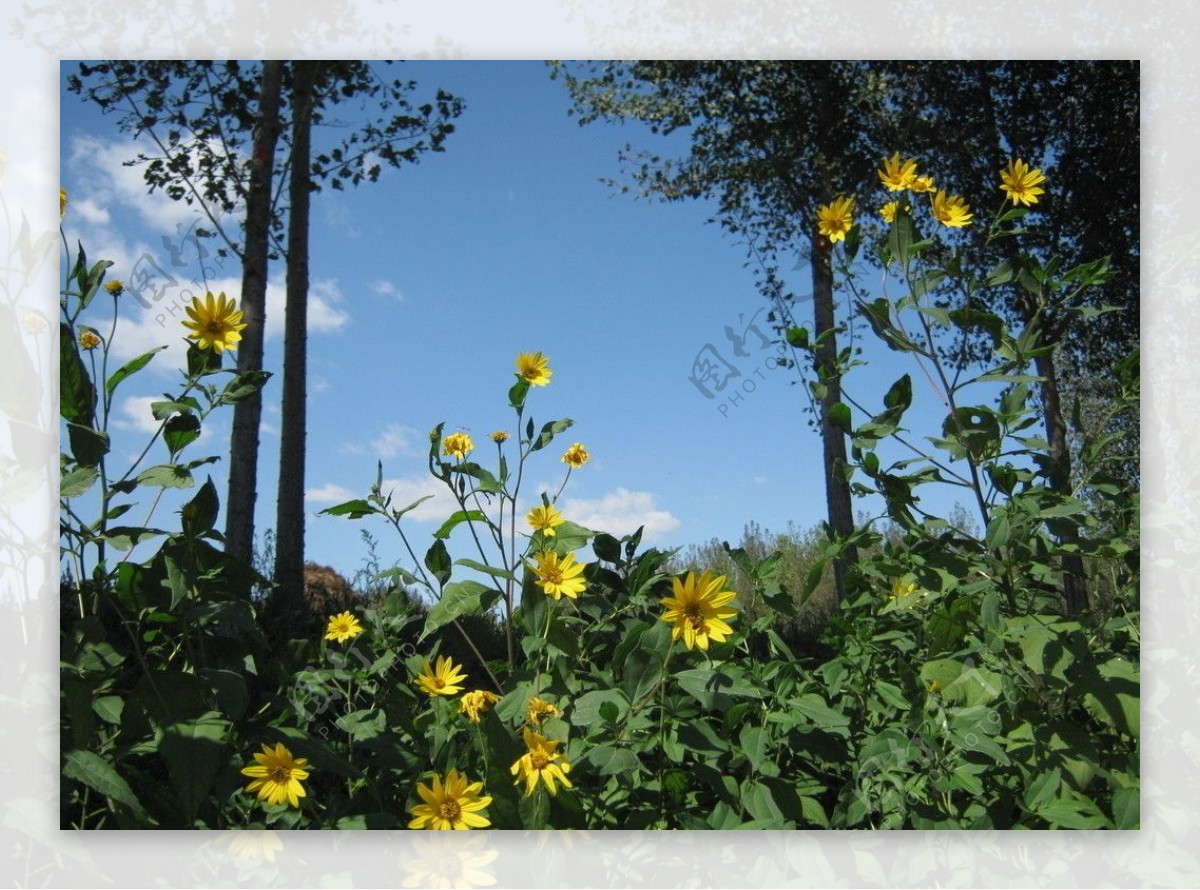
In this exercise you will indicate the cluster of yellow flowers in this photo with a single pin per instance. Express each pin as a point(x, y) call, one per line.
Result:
point(1019, 182)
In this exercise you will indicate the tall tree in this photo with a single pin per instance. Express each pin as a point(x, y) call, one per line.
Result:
point(289, 540)
point(247, 415)
point(771, 140)
point(199, 117)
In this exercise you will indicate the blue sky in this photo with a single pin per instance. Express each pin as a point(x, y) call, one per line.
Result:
point(427, 284)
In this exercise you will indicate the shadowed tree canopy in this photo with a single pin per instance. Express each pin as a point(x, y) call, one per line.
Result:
point(772, 141)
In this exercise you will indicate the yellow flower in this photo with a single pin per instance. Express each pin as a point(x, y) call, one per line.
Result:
point(342, 627)
point(499, 436)
point(559, 574)
point(450, 862)
point(697, 609)
point(536, 709)
point(576, 456)
point(534, 367)
point(544, 518)
point(951, 210)
point(896, 175)
point(216, 322)
point(277, 776)
point(900, 589)
point(458, 445)
point(476, 702)
point(253, 846)
point(888, 211)
point(540, 761)
point(1021, 183)
point(62, 202)
point(453, 804)
point(116, 287)
point(89, 340)
point(446, 679)
point(922, 184)
point(835, 218)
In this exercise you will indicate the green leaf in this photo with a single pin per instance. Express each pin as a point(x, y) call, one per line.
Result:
point(437, 560)
point(585, 710)
point(98, 774)
point(243, 386)
point(109, 708)
point(456, 518)
point(612, 761)
point(88, 446)
point(77, 393)
point(549, 431)
point(458, 598)
point(364, 724)
point(1043, 789)
point(1126, 805)
point(1112, 693)
point(77, 482)
point(839, 416)
point(200, 513)
point(355, 509)
point(483, 567)
point(192, 750)
point(130, 368)
point(754, 742)
point(167, 476)
point(815, 709)
point(179, 431)
point(899, 396)
point(517, 393)
point(716, 689)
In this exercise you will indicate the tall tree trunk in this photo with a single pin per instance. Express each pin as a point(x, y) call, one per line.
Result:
point(243, 446)
point(1074, 579)
point(289, 546)
point(833, 439)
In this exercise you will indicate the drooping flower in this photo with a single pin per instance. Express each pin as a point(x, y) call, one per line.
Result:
point(897, 175)
point(446, 679)
point(922, 184)
point(576, 456)
point(476, 702)
point(951, 210)
point(1021, 183)
point(116, 287)
point(342, 627)
point(458, 445)
point(540, 762)
point(534, 367)
point(216, 322)
point(62, 202)
point(499, 436)
point(536, 709)
point(835, 218)
point(89, 340)
point(277, 776)
point(698, 609)
point(543, 518)
point(454, 803)
point(559, 574)
point(901, 590)
point(888, 211)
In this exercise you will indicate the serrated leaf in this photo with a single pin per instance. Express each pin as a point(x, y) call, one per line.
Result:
point(130, 368)
point(98, 774)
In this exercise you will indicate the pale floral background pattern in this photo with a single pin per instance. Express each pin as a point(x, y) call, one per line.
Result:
point(39, 34)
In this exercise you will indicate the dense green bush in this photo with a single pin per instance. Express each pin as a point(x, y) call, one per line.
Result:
point(562, 677)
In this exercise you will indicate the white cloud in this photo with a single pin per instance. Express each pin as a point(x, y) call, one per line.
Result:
point(387, 289)
point(135, 414)
point(759, 480)
point(329, 493)
point(323, 315)
point(620, 512)
point(110, 183)
point(395, 439)
point(91, 212)
point(317, 383)
point(409, 488)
